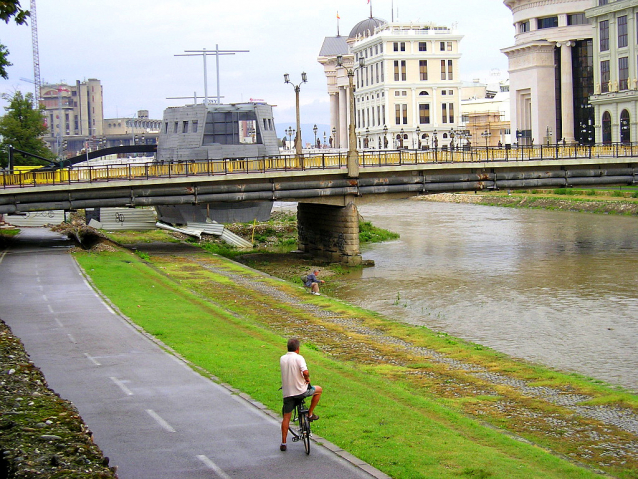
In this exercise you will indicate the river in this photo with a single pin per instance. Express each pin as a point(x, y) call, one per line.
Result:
point(555, 288)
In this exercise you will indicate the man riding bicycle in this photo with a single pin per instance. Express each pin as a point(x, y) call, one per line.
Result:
point(295, 384)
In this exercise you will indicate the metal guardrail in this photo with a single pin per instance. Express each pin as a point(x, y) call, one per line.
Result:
point(367, 158)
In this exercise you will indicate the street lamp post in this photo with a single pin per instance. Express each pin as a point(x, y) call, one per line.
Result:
point(297, 88)
point(418, 137)
point(385, 137)
point(401, 133)
point(353, 155)
point(486, 134)
point(314, 129)
point(367, 143)
point(290, 131)
point(452, 139)
point(334, 137)
point(324, 139)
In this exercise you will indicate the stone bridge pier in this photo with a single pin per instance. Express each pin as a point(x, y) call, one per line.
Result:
point(330, 231)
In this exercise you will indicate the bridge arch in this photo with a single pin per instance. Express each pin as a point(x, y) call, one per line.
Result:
point(606, 123)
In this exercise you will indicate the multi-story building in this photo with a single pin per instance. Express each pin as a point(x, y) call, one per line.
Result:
point(550, 67)
point(75, 117)
point(406, 84)
point(615, 98)
point(485, 110)
point(72, 110)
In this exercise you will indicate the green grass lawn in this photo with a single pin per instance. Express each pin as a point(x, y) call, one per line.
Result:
point(386, 423)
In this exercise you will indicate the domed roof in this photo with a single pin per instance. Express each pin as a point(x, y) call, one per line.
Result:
point(366, 27)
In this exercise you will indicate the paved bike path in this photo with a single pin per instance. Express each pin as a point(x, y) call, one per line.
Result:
point(151, 414)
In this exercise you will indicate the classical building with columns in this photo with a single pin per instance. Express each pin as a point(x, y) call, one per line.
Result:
point(615, 98)
point(406, 82)
point(551, 71)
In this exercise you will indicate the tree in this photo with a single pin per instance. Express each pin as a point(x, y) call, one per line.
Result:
point(23, 127)
point(8, 10)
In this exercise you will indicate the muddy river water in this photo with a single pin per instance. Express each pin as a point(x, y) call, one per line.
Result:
point(555, 288)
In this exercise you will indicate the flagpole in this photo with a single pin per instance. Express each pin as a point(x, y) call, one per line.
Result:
point(370, 3)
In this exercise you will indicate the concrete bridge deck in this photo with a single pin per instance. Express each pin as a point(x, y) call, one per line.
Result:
point(319, 178)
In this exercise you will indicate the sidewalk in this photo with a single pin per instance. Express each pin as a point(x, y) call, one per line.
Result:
point(151, 414)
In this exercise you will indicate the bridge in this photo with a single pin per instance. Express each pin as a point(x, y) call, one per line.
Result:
point(327, 195)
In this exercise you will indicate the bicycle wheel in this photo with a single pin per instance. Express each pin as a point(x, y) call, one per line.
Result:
point(305, 431)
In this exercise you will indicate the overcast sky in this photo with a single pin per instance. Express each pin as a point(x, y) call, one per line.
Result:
point(131, 46)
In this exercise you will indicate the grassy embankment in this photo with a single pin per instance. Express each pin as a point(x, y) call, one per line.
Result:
point(391, 406)
point(615, 201)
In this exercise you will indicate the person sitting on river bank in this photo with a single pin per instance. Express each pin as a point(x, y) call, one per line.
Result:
point(312, 282)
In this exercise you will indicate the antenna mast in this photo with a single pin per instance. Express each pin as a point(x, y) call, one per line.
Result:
point(36, 53)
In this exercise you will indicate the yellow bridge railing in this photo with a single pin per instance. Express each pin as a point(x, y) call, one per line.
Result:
point(29, 177)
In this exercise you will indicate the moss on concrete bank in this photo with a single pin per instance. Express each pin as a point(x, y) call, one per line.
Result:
point(41, 435)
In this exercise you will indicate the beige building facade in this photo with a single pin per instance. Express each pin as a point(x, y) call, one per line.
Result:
point(615, 98)
point(406, 80)
point(550, 69)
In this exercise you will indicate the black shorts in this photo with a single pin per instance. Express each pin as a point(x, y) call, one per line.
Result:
point(291, 402)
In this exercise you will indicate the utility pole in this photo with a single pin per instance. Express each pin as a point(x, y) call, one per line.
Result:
point(204, 53)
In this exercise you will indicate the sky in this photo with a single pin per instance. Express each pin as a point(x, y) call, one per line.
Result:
point(131, 47)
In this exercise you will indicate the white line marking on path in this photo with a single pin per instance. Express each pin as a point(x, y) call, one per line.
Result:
point(160, 420)
point(92, 359)
point(59, 322)
point(121, 385)
point(2, 255)
point(211, 465)
point(50, 308)
point(72, 339)
point(45, 297)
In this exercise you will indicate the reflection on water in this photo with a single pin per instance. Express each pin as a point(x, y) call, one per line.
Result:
point(552, 287)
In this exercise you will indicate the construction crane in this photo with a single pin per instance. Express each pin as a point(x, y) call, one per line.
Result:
point(36, 53)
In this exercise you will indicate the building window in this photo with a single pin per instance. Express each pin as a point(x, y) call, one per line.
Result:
point(523, 27)
point(185, 127)
point(623, 73)
point(577, 19)
point(622, 31)
point(625, 133)
point(602, 2)
point(396, 70)
point(450, 75)
point(423, 70)
point(449, 46)
point(424, 114)
point(176, 127)
point(401, 114)
point(423, 46)
point(399, 46)
point(442, 46)
point(604, 35)
point(443, 71)
point(447, 112)
point(547, 22)
point(606, 127)
point(604, 76)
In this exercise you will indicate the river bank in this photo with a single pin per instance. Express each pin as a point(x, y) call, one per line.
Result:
point(574, 202)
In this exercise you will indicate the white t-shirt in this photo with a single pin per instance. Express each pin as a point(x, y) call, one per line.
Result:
point(292, 381)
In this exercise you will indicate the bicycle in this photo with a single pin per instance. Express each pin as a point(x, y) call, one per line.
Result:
point(300, 413)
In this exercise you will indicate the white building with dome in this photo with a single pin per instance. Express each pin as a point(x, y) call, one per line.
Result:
point(551, 71)
point(406, 84)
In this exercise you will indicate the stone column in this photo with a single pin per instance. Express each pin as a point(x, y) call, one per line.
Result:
point(567, 92)
point(329, 232)
point(334, 116)
point(343, 118)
